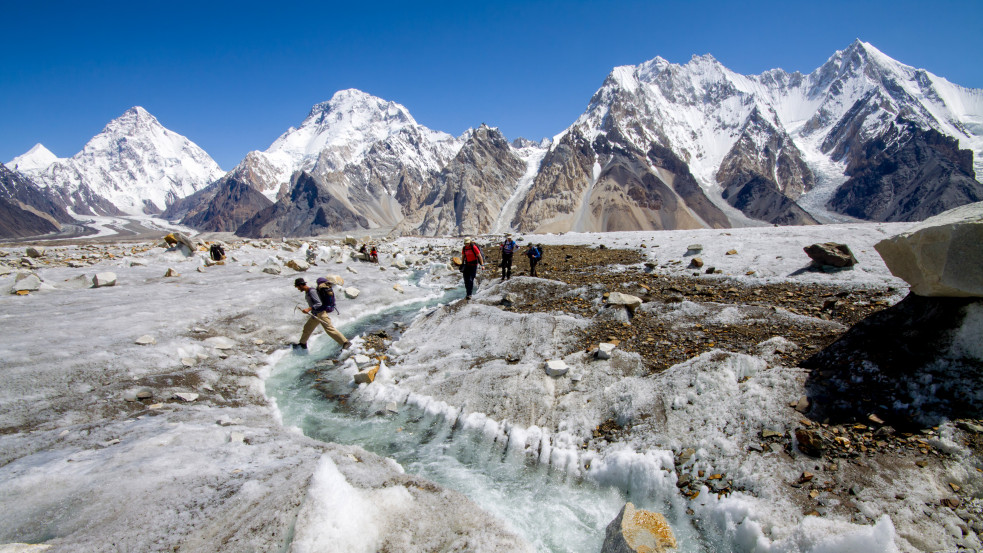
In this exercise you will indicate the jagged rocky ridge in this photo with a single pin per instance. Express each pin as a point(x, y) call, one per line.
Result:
point(660, 146)
point(26, 209)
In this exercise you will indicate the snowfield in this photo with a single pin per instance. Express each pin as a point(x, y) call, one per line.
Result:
point(251, 462)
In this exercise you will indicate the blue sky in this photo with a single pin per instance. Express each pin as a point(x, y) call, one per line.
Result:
point(232, 76)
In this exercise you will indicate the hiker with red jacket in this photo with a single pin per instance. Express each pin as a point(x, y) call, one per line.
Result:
point(470, 260)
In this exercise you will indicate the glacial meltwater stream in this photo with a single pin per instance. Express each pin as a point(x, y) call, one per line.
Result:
point(547, 506)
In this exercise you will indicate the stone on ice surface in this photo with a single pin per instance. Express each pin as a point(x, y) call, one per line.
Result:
point(351, 292)
point(104, 279)
point(145, 340)
point(298, 265)
point(831, 254)
point(694, 248)
point(337, 280)
point(367, 376)
point(627, 300)
point(171, 273)
point(272, 270)
point(34, 251)
point(637, 531)
point(604, 351)
point(556, 367)
point(696, 262)
point(27, 283)
point(220, 342)
point(351, 241)
point(942, 255)
point(398, 288)
point(186, 396)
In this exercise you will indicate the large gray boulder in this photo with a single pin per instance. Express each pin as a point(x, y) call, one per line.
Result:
point(942, 256)
point(831, 254)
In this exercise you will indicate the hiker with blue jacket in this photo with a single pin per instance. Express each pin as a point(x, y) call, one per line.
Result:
point(470, 260)
point(534, 253)
point(319, 303)
point(508, 248)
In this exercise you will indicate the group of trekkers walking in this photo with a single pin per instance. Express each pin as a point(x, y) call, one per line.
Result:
point(472, 259)
point(321, 299)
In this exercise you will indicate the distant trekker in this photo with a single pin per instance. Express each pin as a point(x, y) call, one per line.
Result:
point(217, 252)
point(319, 303)
point(534, 253)
point(470, 260)
point(508, 248)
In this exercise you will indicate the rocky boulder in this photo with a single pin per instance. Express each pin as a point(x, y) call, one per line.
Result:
point(942, 256)
point(627, 300)
point(298, 265)
point(104, 279)
point(831, 254)
point(636, 530)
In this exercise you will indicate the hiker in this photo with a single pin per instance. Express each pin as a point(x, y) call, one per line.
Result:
point(508, 248)
point(363, 253)
point(374, 255)
point(311, 255)
point(470, 260)
point(217, 252)
point(534, 253)
point(317, 313)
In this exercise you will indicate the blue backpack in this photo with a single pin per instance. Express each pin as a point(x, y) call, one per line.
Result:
point(508, 246)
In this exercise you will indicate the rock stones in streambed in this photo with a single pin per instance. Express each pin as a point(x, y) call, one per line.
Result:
point(636, 531)
point(942, 256)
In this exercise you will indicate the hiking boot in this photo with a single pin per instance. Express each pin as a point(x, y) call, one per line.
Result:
point(346, 345)
point(298, 346)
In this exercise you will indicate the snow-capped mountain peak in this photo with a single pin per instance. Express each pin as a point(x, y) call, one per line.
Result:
point(35, 159)
point(136, 164)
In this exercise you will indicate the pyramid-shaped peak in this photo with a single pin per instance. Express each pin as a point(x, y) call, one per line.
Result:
point(38, 157)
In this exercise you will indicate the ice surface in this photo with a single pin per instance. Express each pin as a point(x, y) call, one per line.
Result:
point(81, 467)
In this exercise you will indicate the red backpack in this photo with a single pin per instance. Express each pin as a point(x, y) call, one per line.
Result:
point(470, 253)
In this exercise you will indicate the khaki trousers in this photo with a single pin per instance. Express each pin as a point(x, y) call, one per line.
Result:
point(321, 318)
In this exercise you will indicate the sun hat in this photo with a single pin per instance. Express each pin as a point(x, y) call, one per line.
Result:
point(467, 240)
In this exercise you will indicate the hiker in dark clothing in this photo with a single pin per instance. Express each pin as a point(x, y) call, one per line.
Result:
point(317, 313)
point(217, 252)
point(508, 248)
point(534, 253)
point(470, 260)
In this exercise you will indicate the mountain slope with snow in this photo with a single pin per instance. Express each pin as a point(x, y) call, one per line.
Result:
point(135, 164)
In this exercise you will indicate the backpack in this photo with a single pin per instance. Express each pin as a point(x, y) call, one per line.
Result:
point(470, 254)
point(508, 246)
point(326, 295)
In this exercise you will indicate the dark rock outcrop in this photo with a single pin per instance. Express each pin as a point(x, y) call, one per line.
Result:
point(233, 203)
point(309, 209)
point(764, 173)
point(26, 209)
point(907, 174)
point(471, 191)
